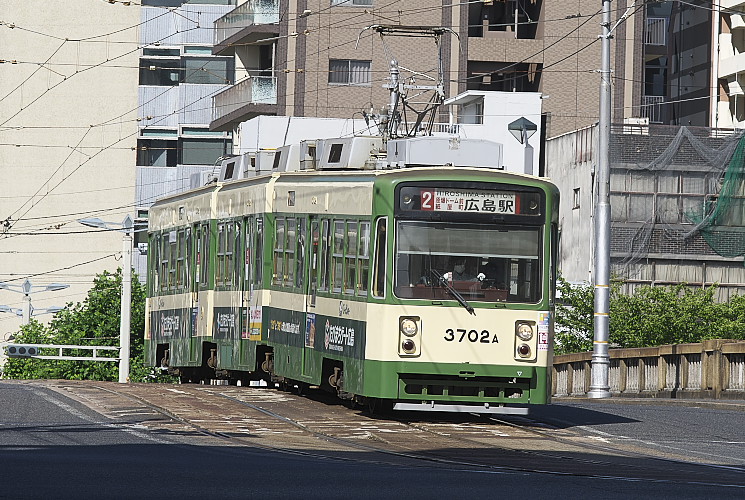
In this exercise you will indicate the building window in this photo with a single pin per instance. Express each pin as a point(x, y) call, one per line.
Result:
point(575, 200)
point(162, 72)
point(162, 52)
point(349, 72)
point(172, 71)
point(156, 153)
point(208, 70)
point(169, 153)
point(177, 3)
point(202, 151)
point(353, 3)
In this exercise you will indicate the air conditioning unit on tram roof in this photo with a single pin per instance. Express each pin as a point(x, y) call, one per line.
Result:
point(232, 168)
point(287, 158)
point(441, 151)
point(353, 153)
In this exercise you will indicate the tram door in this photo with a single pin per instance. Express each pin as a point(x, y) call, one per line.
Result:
point(311, 284)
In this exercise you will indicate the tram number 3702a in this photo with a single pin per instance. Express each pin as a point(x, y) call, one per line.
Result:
point(462, 335)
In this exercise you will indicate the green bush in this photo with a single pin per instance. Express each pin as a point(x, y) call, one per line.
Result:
point(95, 321)
point(651, 316)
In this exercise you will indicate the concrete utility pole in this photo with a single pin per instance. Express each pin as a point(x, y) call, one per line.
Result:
point(599, 387)
point(127, 227)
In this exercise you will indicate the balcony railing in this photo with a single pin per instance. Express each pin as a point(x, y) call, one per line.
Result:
point(652, 108)
point(250, 13)
point(656, 31)
point(254, 90)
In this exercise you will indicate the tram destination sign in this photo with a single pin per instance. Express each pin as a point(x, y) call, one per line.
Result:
point(461, 200)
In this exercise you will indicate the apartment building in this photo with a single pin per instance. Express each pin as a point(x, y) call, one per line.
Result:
point(68, 110)
point(319, 57)
point(177, 77)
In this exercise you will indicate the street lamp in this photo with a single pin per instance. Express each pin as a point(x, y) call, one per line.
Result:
point(522, 129)
point(126, 227)
point(26, 288)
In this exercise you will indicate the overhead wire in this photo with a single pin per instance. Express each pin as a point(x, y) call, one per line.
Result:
point(288, 94)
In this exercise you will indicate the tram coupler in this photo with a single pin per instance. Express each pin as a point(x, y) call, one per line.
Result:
point(268, 364)
point(212, 360)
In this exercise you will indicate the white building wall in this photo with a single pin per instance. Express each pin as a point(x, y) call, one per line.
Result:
point(570, 163)
point(67, 136)
point(499, 110)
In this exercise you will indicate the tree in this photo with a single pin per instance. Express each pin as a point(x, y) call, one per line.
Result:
point(95, 321)
point(574, 317)
point(651, 316)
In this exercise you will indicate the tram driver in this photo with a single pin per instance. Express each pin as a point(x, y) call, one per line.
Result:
point(462, 272)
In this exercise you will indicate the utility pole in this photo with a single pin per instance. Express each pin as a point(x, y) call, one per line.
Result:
point(124, 329)
point(599, 387)
point(127, 228)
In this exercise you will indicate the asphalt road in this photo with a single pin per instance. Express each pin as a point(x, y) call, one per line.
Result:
point(701, 431)
point(53, 447)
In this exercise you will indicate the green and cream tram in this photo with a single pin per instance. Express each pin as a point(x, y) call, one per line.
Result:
point(427, 288)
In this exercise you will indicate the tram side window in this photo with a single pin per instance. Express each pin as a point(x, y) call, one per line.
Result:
point(300, 261)
point(237, 254)
point(259, 252)
point(279, 248)
point(314, 258)
point(325, 256)
point(337, 256)
point(154, 257)
point(225, 261)
point(350, 280)
point(164, 261)
point(169, 260)
point(379, 258)
point(363, 258)
point(249, 239)
point(289, 256)
point(188, 258)
point(203, 256)
point(180, 255)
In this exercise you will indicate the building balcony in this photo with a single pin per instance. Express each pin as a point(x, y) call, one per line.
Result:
point(731, 4)
point(249, 23)
point(652, 108)
point(730, 66)
point(251, 97)
point(656, 33)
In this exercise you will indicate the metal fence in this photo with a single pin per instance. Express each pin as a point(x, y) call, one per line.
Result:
point(714, 369)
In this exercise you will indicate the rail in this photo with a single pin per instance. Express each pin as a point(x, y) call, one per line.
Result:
point(714, 369)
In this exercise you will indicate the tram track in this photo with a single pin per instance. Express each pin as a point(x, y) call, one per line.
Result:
point(286, 424)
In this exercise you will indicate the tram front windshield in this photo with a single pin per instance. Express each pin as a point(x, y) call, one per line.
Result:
point(483, 262)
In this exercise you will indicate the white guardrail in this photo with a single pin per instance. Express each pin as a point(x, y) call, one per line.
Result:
point(43, 351)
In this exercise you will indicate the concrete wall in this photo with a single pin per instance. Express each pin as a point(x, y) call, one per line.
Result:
point(67, 133)
point(570, 163)
point(713, 369)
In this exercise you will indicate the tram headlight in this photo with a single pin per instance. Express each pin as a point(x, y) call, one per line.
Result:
point(408, 346)
point(523, 350)
point(524, 331)
point(409, 327)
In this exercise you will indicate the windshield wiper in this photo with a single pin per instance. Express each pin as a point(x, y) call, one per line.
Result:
point(452, 291)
